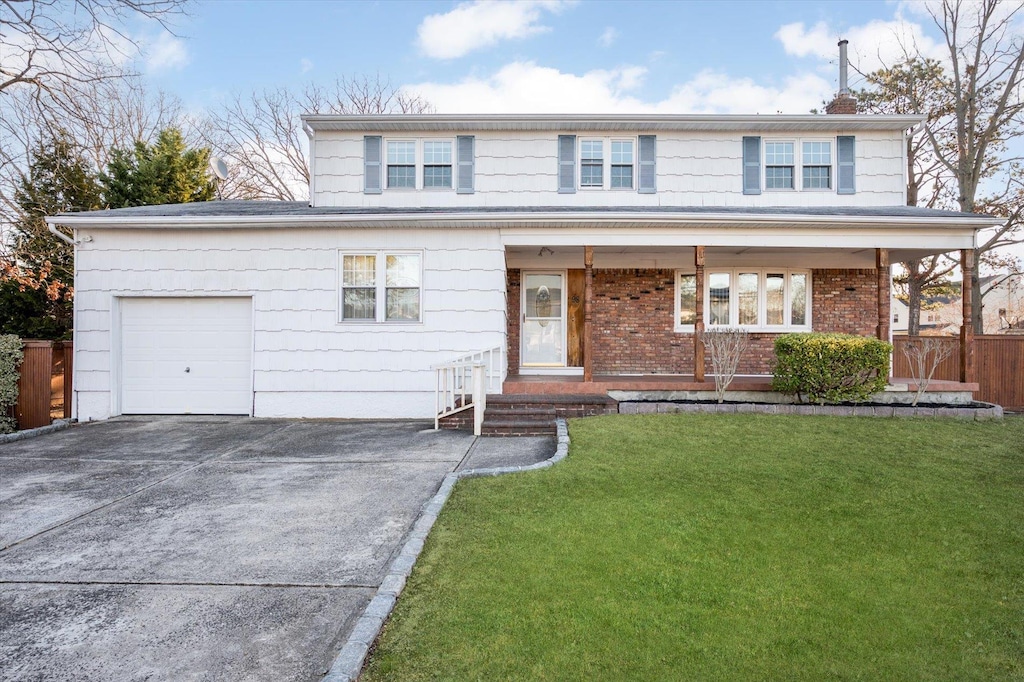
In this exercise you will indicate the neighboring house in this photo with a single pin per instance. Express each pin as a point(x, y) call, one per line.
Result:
point(590, 247)
point(1003, 311)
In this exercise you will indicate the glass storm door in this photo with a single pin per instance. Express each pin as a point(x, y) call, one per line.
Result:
point(543, 320)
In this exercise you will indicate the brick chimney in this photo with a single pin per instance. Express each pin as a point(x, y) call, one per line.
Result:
point(844, 102)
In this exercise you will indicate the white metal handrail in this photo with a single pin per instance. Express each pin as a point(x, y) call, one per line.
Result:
point(465, 382)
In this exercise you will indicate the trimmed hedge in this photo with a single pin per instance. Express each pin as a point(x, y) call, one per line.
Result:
point(830, 368)
point(11, 355)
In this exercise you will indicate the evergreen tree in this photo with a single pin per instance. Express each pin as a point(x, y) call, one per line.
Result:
point(167, 172)
point(37, 281)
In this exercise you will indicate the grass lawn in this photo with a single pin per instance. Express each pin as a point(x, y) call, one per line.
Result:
point(764, 547)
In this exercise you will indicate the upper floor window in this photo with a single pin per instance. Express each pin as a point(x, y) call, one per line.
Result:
point(622, 164)
point(412, 164)
point(799, 164)
point(401, 163)
point(437, 164)
point(817, 165)
point(779, 165)
point(592, 163)
point(768, 299)
point(607, 163)
point(418, 164)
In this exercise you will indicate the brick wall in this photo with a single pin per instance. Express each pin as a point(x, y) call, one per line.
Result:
point(513, 278)
point(634, 311)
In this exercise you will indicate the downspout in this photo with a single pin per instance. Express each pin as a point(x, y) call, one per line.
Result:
point(312, 161)
point(52, 229)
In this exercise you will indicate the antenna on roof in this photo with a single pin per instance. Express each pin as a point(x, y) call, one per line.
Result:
point(220, 171)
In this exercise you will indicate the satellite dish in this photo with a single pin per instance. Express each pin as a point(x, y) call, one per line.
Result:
point(219, 168)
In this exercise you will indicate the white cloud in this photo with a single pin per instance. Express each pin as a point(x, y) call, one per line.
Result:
point(166, 53)
point(873, 45)
point(525, 87)
point(474, 25)
point(305, 65)
point(608, 37)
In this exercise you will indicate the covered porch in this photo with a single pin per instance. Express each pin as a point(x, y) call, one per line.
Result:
point(600, 319)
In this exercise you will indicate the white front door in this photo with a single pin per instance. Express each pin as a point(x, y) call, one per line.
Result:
point(543, 331)
point(186, 355)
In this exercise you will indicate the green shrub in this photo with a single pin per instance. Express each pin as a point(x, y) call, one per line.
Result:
point(830, 368)
point(10, 364)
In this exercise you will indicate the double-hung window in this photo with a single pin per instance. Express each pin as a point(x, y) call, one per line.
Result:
point(817, 165)
point(401, 164)
point(622, 164)
point(779, 165)
point(592, 163)
point(414, 164)
point(379, 286)
point(437, 163)
point(763, 299)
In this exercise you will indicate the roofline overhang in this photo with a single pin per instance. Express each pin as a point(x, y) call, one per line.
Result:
point(483, 219)
point(608, 122)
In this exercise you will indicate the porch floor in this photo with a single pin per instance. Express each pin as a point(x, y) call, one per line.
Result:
point(602, 383)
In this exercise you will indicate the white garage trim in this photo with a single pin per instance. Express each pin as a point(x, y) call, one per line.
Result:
point(183, 355)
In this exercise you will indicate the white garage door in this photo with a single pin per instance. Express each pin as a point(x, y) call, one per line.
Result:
point(186, 355)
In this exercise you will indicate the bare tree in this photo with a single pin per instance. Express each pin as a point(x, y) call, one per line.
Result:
point(917, 86)
point(986, 82)
point(924, 355)
point(53, 45)
point(725, 346)
point(261, 138)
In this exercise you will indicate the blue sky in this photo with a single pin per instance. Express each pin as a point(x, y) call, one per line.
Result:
point(548, 55)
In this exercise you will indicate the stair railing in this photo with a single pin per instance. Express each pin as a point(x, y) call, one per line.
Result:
point(465, 382)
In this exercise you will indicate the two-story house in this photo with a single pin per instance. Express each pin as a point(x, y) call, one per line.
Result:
point(585, 251)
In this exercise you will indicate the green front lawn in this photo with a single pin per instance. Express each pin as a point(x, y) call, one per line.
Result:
point(729, 547)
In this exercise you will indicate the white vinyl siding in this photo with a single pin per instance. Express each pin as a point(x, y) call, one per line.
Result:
point(520, 168)
point(304, 362)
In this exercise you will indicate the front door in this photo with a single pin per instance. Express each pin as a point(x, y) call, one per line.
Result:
point(543, 330)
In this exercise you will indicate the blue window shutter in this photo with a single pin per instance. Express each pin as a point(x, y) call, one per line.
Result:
point(566, 164)
point(371, 164)
point(648, 164)
point(464, 145)
point(846, 154)
point(751, 165)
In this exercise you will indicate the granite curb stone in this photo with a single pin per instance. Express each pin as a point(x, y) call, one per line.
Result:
point(349, 662)
point(57, 425)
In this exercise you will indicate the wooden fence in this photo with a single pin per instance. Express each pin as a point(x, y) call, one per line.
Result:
point(998, 365)
point(44, 387)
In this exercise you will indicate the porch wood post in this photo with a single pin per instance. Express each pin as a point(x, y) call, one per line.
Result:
point(967, 328)
point(698, 327)
point(588, 310)
point(884, 293)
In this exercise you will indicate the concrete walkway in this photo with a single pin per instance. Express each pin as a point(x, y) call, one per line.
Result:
point(209, 548)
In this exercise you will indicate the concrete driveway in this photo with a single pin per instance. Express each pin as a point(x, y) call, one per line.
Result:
point(209, 548)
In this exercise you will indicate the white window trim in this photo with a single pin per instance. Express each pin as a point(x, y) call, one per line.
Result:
point(798, 164)
point(419, 164)
point(606, 172)
point(380, 285)
point(762, 301)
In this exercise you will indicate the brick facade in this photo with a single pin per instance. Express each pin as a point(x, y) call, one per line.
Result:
point(634, 311)
point(513, 305)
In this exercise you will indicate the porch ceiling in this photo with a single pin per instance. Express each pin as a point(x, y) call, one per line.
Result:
point(672, 257)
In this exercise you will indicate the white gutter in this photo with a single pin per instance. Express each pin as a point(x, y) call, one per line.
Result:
point(52, 228)
point(470, 220)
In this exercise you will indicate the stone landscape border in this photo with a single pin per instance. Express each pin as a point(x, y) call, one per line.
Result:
point(57, 425)
point(986, 412)
point(350, 660)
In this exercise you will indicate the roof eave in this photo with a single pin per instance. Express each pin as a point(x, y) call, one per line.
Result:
point(612, 122)
point(485, 220)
